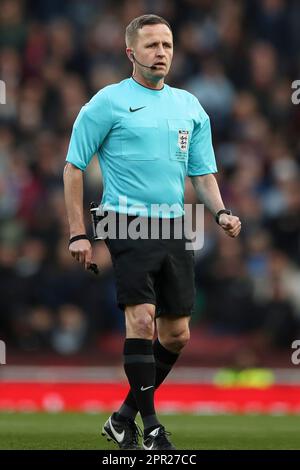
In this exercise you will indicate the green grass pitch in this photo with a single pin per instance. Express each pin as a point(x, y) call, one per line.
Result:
point(66, 431)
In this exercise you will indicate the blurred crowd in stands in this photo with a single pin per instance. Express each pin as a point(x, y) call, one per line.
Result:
point(239, 57)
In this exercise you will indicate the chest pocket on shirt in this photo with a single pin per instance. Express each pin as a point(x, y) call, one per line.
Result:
point(180, 134)
point(139, 139)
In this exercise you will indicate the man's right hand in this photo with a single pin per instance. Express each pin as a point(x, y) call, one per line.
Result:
point(81, 250)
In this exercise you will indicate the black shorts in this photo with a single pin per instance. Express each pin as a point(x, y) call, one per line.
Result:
point(159, 272)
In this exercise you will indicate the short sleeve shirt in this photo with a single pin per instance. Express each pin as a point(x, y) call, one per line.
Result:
point(146, 142)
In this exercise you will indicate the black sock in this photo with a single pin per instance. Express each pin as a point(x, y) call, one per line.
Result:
point(139, 367)
point(164, 361)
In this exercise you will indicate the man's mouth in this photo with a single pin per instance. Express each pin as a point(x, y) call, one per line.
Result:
point(160, 64)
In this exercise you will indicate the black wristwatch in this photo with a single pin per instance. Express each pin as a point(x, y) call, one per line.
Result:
point(222, 211)
point(82, 236)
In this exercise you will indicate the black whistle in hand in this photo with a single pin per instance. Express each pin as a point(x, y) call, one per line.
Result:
point(93, 267)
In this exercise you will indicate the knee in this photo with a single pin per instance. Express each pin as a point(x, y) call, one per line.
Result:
point(144, 326)
point(140, 321)
point(175, 342)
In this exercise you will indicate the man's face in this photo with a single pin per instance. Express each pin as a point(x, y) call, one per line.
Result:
point(154, 46)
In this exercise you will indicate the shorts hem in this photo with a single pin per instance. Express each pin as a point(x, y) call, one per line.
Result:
point(168, 313)
point(124, 303)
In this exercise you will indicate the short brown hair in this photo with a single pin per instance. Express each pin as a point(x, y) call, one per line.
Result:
point(139, 22)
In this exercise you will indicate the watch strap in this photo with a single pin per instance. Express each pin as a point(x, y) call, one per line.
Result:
point(83, 236)
point(220, 212)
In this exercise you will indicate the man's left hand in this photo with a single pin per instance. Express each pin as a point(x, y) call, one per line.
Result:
point(230, 224)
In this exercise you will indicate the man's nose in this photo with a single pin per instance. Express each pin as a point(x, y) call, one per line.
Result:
point(160, 50)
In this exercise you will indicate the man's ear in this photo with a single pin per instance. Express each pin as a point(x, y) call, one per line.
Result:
point(130, 54)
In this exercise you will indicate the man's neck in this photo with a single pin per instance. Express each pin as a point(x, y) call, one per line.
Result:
point(154, 85)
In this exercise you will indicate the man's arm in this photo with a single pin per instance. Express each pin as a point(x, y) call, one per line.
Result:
point(208, 193)
point(73, 186)
point(90, 129)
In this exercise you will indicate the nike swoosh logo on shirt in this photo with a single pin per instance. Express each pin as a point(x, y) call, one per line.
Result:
point(119, 436)
point(136, 109)
point(143, 389)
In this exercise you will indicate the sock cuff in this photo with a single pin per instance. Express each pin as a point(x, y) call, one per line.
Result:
point(162, 355)
point(138, 346)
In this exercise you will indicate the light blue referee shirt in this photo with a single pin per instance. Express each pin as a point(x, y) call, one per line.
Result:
point(146, 141)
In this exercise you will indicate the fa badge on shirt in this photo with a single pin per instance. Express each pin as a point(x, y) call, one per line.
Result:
point(183, 140)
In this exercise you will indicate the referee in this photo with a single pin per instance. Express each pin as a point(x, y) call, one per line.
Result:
point(148, 137)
